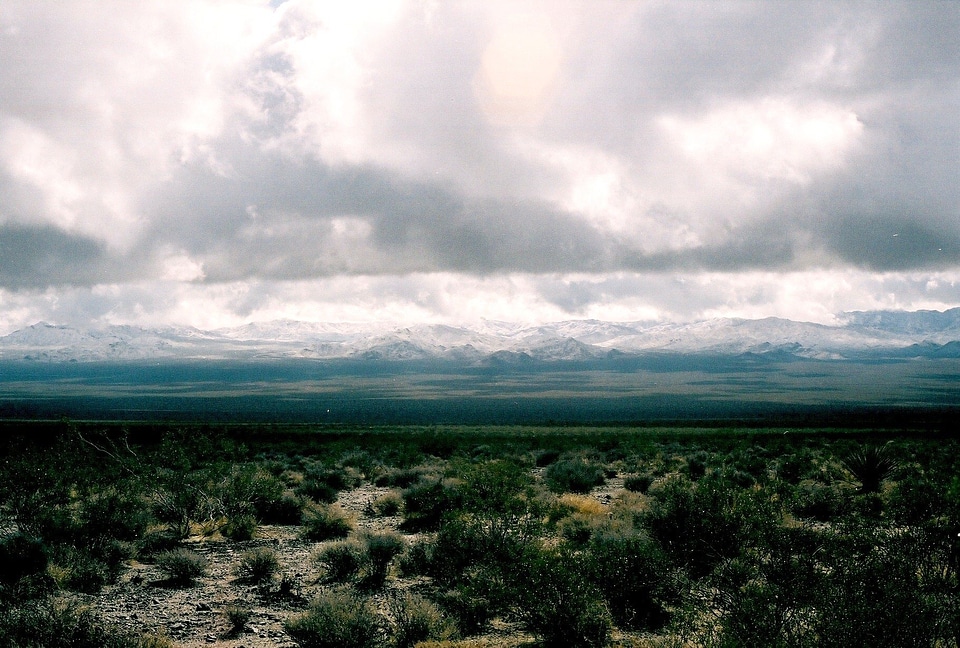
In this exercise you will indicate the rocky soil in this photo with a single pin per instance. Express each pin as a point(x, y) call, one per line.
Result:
point(195, 615)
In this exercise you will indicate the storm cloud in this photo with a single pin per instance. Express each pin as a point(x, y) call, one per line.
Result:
point(583, 158)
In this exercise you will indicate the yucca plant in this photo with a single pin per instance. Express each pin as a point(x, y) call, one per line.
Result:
point(871, 465)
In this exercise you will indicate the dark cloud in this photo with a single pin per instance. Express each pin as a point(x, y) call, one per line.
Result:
point(40, 256)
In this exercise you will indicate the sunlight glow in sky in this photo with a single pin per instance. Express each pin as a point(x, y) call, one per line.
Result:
point(215, 162)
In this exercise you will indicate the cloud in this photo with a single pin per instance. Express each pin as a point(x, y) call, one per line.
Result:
point(205, 145)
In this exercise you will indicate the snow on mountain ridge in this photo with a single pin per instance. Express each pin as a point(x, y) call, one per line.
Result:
point(566, 340)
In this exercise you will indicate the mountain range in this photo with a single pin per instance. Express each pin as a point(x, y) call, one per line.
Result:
point(880, 333)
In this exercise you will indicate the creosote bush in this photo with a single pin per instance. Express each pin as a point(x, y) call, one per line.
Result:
point(416, 619)
point(337, 619)
point(341, 560)
point(574, 474)
point(182, 566)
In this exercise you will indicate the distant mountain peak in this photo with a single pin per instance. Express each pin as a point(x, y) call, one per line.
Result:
point(500, 342)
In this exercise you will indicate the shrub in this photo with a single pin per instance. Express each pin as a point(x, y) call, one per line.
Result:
point(258, 565)
point(238, 615)
point(326, 522)
point(574, 474)
point(379, 549)
point(469, 605)
point(638, 483)
point(416, 619)
point(697, 465)
point(871, 465)
point(117, 513)
point(341, 560)
point(337, 619)
point(702, 523)
point(546, 457)
point(399, 477)
point(818, 502)
point(249, 491)
point(426, 502)
point(558, 605)
point(182, 566)
point(155, 541)
point(84, 573)
point(388, 504)
point(55, 624)
point(323, 485)
point(287, 510)
point(23, 566)
point(634, 576)
point(240, 528)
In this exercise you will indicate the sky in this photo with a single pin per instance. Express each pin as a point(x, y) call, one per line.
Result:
point(215, 162)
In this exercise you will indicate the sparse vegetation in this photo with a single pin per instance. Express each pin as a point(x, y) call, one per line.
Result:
point(716, 538)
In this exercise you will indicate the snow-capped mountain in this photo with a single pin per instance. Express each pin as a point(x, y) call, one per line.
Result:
point(928, 333)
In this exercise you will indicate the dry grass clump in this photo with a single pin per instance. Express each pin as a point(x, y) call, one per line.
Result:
point(257, 565)
point(327, 522)
point(387, 504)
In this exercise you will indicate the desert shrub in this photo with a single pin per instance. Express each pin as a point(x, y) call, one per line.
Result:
point(387, 504)
point(179, 501)
point(249, 490)
point(116, 512)
point(578, 517)
point(238, 616)
point(258, 565)
point(362, 461)
point(416, 619)
point(749, 461)
point(493, 488)
point(574, 474)
point(181, 566)
point(240, 528)
point(154, 541)
point(287, 510)
point(399, 477)
point(416, 559)
point(696, 466)
point(467, 543)
point(876, 595)
point(341, 560)
point(426, 502)
point(638, 483)
point(546, 457)
point(337, 619)
point(634, 576)
point(326, 522)
point(557, 604)
point(871, 465)
point(470, 605)
point(23, 568)
point(54, 624)
point(323, 485)
point(818, 502)
point(702, 523)
point(915, 500)
point(795, 467)
point(380, 549)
